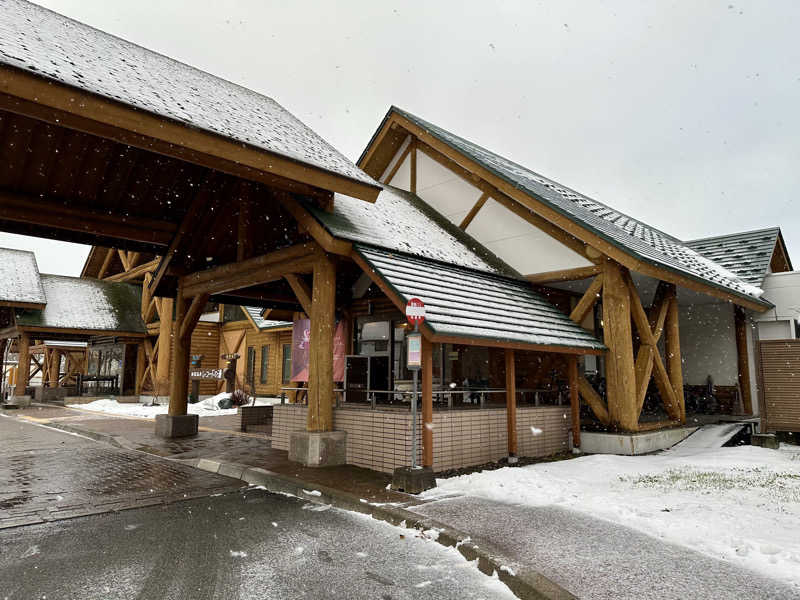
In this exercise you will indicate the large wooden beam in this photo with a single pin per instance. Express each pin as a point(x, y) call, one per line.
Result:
point(164, 346)
point(106, 263)
point(427, 402)
point(593, 399)
point(301, 291)
point(575, 274)
point(38, 211)
point(135, 272)
point(574, 400)
point(672, 348)
point(23, 364)
point(742, 359)
point(618, 338)
point(181, 357)
point(320, 367)
point(587, 301)
point(511, 403)
point(299, 258)
point(648, 355)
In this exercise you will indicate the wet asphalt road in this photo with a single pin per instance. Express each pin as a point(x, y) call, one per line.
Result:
point(240, 545)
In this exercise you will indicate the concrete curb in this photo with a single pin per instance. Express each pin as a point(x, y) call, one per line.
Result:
point(525, 583)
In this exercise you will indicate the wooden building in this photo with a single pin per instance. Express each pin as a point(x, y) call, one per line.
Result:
point(216, 196)
point(67, 329)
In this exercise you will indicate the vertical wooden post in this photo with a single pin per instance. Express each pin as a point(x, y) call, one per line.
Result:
point(320, 359)
point(574, 400)
point(24, 364)
point(140, 368)
point(511, 402)
point(743, 361)
point(412, 156)
point(55, 367)
point(164, 342)
point(617, 335)
point(672, 349)
point(179, 390)
point(427, 403)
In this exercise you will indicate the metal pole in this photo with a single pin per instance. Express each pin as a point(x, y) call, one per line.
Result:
point(414, 416)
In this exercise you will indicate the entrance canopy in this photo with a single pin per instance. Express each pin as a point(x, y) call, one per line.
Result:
point(104, 142)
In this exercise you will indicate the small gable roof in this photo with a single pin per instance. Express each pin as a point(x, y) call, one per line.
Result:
point(748, 254)
point(463, 304)
point(49, 45)
point(86, 304)
point(635, 238)
point(20, 283)
point(254, 314)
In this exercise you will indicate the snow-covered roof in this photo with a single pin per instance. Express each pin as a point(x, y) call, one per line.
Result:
point(19, 278)
point(748, 254)
point(263, 324)
point(400, 221)
point(468, 304)
point(87, 304)
point(52, 46)
point(631, 235)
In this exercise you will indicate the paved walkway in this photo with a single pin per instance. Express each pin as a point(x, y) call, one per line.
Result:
point(593, 558)
point(217, 441)
point(47, 475)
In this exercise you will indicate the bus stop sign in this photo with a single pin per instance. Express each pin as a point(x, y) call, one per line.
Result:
point(415, 311)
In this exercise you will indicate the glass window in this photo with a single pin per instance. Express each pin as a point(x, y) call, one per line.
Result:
point(264, 363)
point(287, 363)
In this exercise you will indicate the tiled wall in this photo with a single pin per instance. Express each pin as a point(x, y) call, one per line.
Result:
point(381, 439)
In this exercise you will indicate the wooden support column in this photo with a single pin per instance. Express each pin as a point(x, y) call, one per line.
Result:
point(618, 337)
point(743, 361)
point(24, 363)
point(574, 399)
point(427, 403)
point(141, 360)
point(511, 402)
point(179, 389)
point(413, 167)
point(672, 348)
point(164, 343)
point(320, 359)
point(55, 368)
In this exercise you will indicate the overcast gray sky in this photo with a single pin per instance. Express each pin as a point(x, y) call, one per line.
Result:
point(682, 114)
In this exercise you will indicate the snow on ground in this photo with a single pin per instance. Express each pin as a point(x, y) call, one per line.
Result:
point(740, 504)
point(204, 408)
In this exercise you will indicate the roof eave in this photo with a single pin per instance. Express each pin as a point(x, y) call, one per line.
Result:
point(96, 115)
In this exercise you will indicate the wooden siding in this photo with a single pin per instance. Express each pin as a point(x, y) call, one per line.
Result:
point(780, 377)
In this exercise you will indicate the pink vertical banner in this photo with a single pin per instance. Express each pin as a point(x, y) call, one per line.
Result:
point(301, 337)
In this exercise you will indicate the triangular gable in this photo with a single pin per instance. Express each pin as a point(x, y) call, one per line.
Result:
point(579, 218)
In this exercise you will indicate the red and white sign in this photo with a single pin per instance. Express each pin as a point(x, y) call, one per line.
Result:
point(415, 311)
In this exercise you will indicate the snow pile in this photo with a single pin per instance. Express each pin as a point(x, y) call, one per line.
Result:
point(740, 504)
point(204, 408)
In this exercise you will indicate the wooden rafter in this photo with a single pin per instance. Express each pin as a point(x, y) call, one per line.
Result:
point(106, 263)
point(562, 275)
point(473, 212)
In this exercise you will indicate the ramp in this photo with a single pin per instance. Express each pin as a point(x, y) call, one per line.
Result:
point(708, 437)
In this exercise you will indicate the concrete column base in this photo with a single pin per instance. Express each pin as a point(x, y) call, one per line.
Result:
point(765, 440)
point(318, 448)
point(18, 402)
point(413, 481)
point(176, 426)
